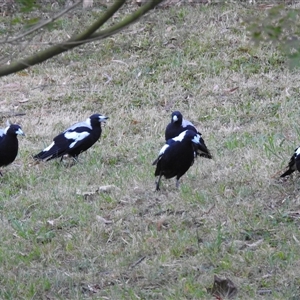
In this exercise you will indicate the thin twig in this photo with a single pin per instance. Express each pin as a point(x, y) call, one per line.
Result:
point(137, 262)
point(207, 212)
point(109, 79)
point(10, 114)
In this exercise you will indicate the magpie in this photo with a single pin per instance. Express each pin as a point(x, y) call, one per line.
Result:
point(9, 144)
point(294, 163)
point(178, 125)
point(176, 156)
point(74, 140)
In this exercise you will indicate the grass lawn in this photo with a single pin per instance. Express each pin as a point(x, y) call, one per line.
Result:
point(64, 236)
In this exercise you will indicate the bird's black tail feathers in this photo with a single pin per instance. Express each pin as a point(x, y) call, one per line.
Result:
point(288, 172)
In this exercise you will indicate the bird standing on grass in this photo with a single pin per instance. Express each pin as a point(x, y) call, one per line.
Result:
point(178, 125)
point(9, 144)
point(74, 140)
point(294, 163)
point(176, 156)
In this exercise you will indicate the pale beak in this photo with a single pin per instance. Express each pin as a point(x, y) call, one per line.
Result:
point(20, 132)
point(103, 118)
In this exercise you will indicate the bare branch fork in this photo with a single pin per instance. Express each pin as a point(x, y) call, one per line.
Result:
point(86, 36)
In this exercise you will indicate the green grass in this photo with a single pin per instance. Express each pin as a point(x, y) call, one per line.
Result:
point(231, 217)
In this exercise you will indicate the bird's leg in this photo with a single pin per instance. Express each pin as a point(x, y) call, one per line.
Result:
point(157, 183)
point(1, 174)
point(177, 183)
point(72, 160)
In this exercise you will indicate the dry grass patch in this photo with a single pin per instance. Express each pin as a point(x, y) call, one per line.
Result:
point(63, 238)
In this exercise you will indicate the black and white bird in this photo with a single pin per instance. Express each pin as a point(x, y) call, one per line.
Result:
point(74, 140)
point(176, 156)
point(178, 125)
point(9, 144)
point(294, 163)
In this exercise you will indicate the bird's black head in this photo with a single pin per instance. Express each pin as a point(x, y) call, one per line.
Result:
point(176, 117)
point(14, 129)
point(96, 119)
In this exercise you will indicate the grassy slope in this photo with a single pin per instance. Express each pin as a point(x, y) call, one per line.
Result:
point(230, 217)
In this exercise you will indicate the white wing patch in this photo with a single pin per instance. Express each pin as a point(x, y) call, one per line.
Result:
point(49, 147)
point(76, 137)
point(297, 151)
point(180, 137)
point(163, 149)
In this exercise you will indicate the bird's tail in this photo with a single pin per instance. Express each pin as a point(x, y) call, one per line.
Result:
point(48, 154)
point(202, 150)
point(288, 172)
point(41, 156)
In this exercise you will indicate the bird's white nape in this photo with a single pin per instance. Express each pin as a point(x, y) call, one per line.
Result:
point(186, 123)
point(88, 122)
point(5, 130)
point(2, 132)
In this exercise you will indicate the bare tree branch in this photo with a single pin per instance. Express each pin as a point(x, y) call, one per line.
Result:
point(60, 48)
point(85, 37)
point(134, 17)
point(40, 25)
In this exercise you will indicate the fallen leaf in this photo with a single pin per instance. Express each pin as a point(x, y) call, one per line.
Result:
point(160, 223)
point(170, 28)
point(23, 101)
point(253, 245)
point(11, 86)
point(101, 189)
point(50, 222)
point(296, 240)
point(120, 62)
point(134, 122)
point(86, 194)
point(101, 219)
point(223, 288)
point(107, 188)
point(215, 88)
point(152, 241)
point(87, 3)
point(230, 91)
point(54, 221)
point(266, 6)
point(22, 73)
point(171, 46)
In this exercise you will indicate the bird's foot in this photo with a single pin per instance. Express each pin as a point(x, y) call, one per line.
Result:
point(157, 187)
